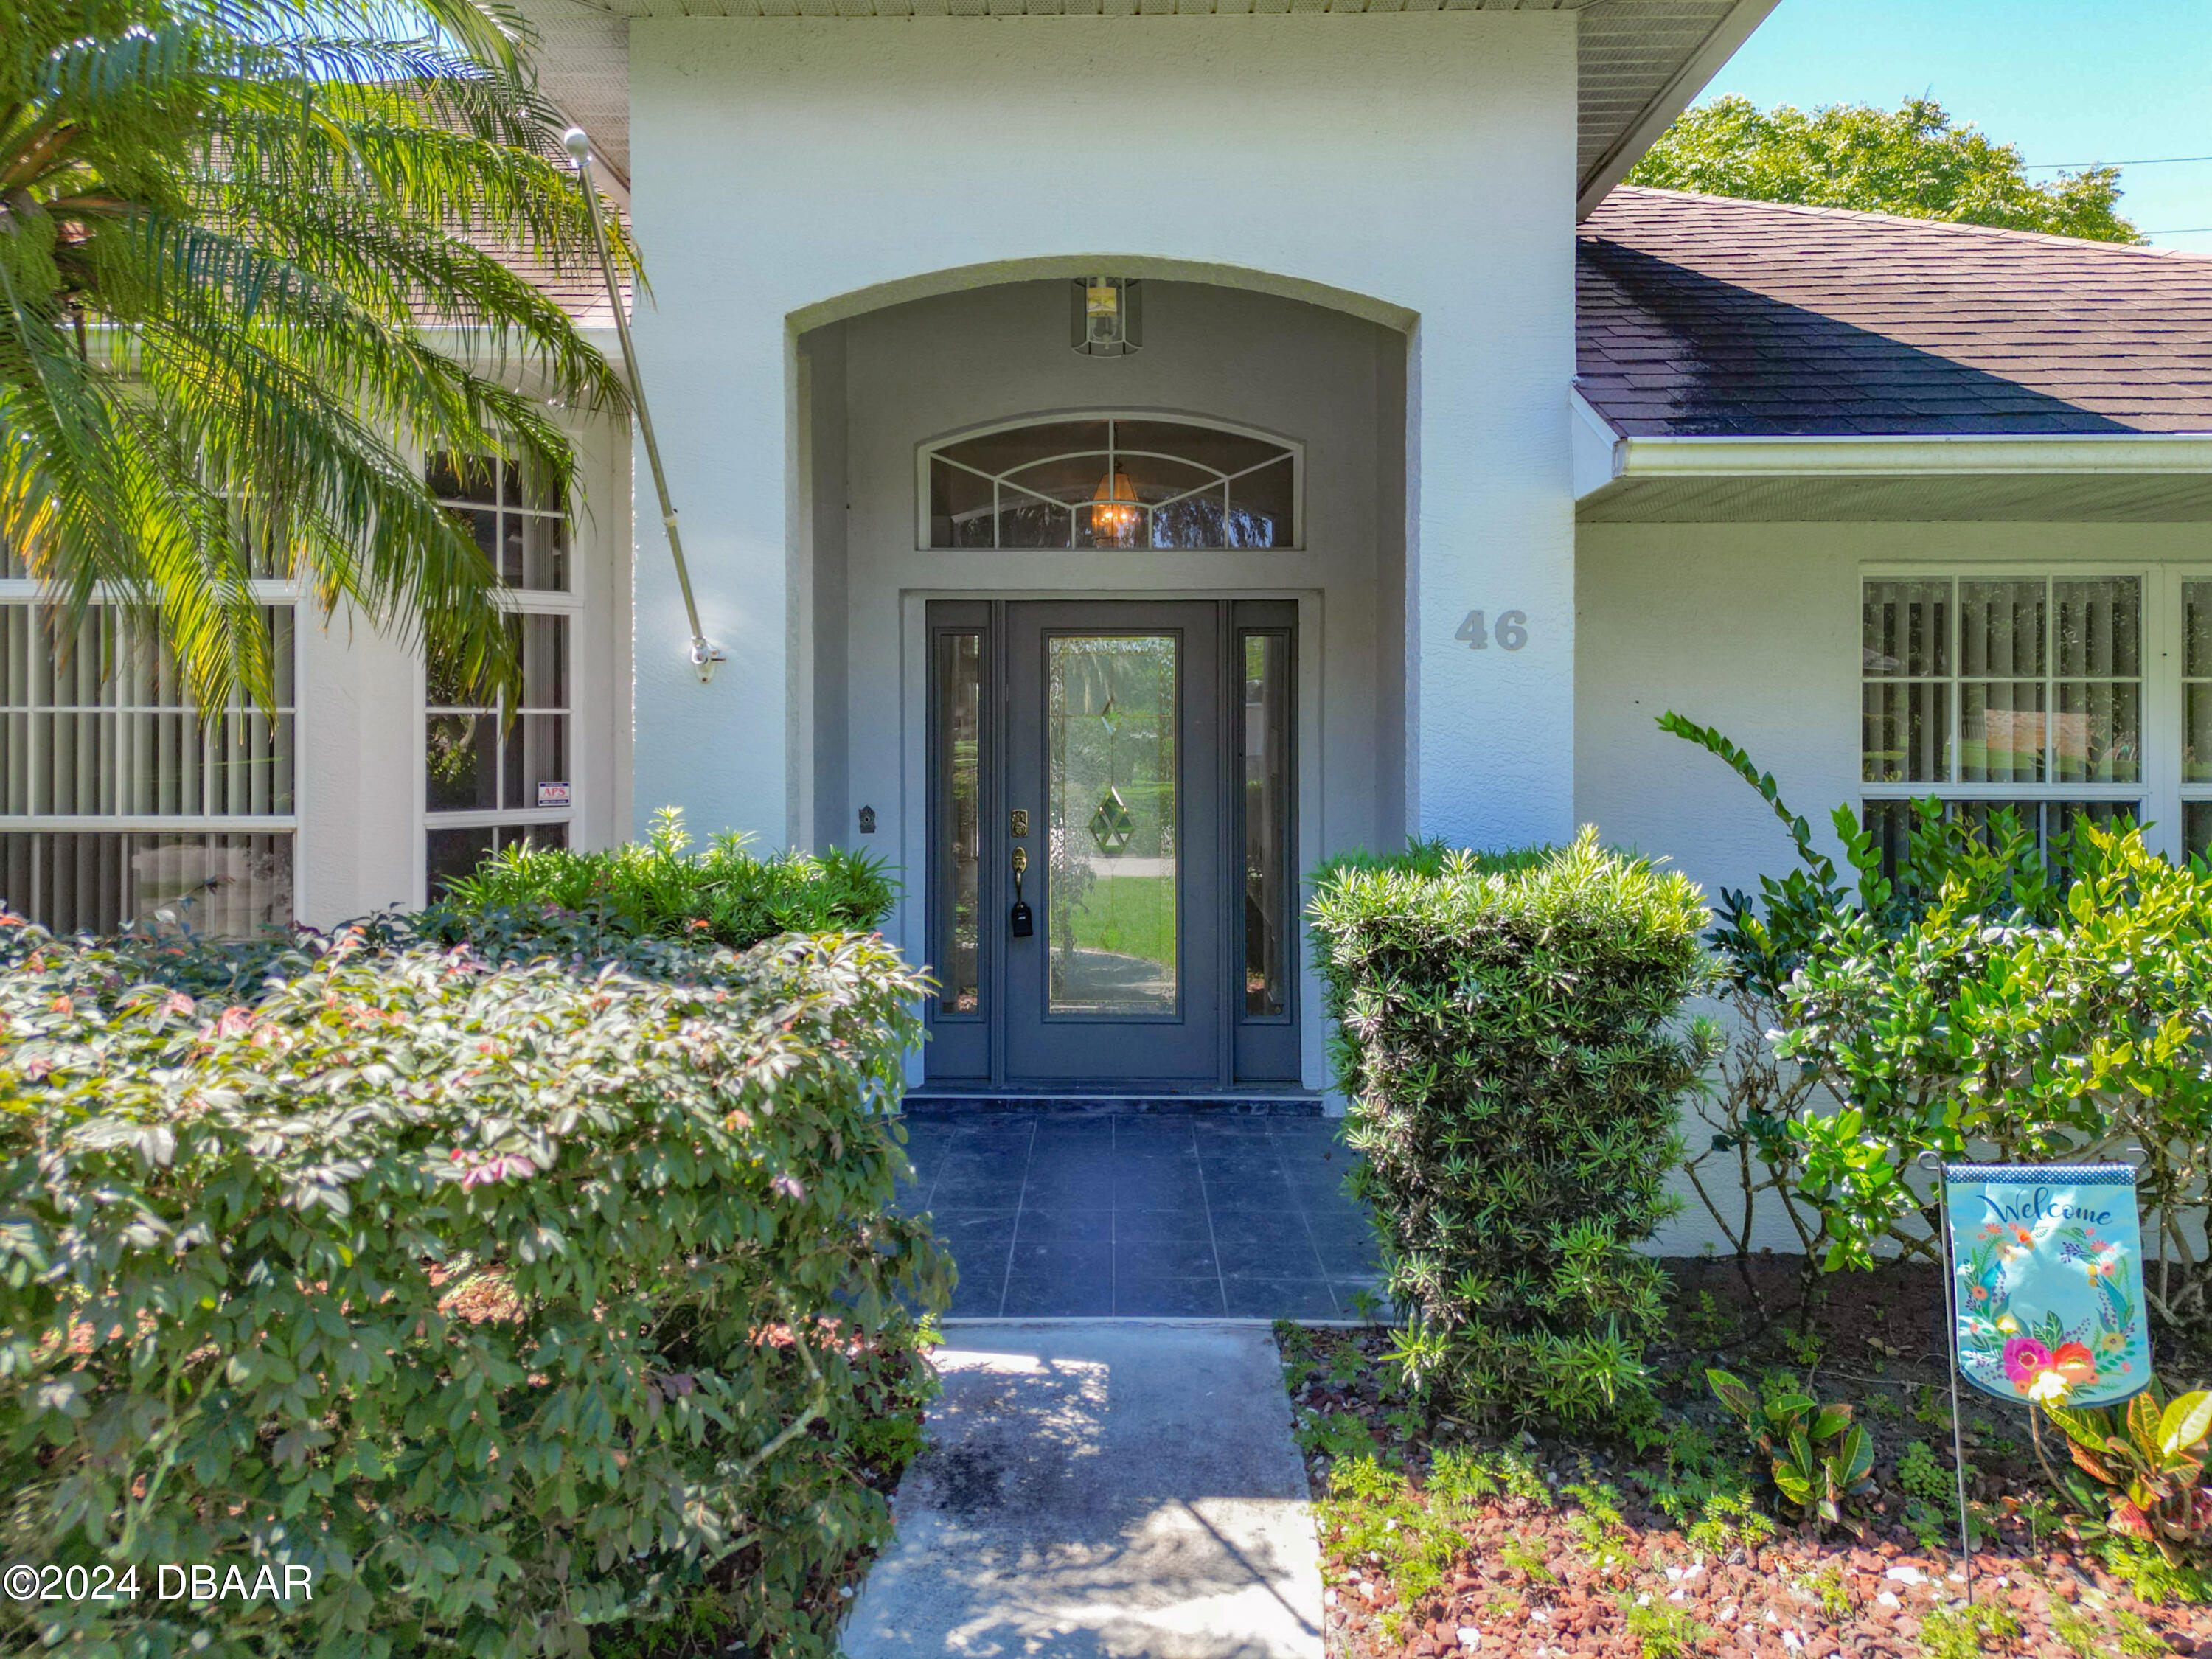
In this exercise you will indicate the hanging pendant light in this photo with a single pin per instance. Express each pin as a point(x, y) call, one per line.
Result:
point(1114, 512)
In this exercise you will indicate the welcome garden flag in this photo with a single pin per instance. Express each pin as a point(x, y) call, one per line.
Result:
point(2048, 1262)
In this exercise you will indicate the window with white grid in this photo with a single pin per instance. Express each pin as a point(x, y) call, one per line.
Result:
point(119, 803)
point(495, 775)
point(2002, 691)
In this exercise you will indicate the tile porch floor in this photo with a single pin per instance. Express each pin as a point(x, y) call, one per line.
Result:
point(1192, 1215)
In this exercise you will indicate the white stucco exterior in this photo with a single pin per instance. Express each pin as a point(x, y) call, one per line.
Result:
point(791, 173)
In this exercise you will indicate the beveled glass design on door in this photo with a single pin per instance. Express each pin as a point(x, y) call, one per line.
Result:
point(1111, 832)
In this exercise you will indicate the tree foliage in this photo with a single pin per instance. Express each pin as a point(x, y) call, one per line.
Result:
point(224, 226)
point(1913, 160)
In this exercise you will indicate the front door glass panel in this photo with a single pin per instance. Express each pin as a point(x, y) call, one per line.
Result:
point(1266, 820)
point(1111, 720)
point(957, 748)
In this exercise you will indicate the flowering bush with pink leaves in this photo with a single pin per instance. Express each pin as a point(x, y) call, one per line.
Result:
point(512, 1299)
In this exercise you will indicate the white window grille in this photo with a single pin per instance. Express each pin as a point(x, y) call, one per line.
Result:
point(120, 805)
point(495, 777)
point(2002, 691)
point(1137, 481)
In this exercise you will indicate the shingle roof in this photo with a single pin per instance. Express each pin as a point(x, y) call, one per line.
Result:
point(1701, 315)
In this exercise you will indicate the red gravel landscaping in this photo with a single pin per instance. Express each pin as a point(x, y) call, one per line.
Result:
point(1436, 1541)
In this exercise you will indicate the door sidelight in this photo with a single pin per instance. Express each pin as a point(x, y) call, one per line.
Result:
point(1020, 922)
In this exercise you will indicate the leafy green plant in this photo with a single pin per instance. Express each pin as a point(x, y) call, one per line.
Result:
point(1598, 1527)
point(2144, 1466)
point(1661, 1631)
point(1916, 160)
point(2033, 1003)
point(1376, 1515)
point(1826, 1587)
point(517, 1297)
point(1818, 1458)
point(1957, 1632)
point(1510, 1035)
point(1337, 1435)
point(1931, 1488)
point(725, 894)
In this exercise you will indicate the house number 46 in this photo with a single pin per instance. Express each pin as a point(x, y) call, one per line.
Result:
point(1511, 633)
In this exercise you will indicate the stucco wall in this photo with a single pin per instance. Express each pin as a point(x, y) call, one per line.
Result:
point(1754, 629)
point(791, 173)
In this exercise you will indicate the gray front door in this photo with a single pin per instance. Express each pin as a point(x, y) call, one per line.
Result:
point(1113, 735)
point(1119, 769)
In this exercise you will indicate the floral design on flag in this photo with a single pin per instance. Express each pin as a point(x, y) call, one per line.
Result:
point(2047, 1263)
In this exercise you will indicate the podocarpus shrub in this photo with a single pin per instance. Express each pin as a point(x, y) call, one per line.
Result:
point(658, 886)
point(513, 1299)
point(1511, 1041)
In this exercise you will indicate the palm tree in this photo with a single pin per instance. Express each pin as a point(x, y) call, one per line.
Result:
point(247, 269)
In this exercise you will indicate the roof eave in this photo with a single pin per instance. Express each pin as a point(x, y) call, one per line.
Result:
point(1687, 81)
point(1931, 455)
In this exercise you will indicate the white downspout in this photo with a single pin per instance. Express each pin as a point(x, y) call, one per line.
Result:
point(704, 657)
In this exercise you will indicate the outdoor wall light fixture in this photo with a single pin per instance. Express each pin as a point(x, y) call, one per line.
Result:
point(1108, 316)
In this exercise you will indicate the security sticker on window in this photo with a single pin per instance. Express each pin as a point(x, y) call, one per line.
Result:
point(552, 794)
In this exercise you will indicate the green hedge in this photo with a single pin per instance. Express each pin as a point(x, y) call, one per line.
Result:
point(1510, 1039)
point(514, 1299)
point(660, 887)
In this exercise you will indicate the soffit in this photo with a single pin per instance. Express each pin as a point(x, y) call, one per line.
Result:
point(1640, 62)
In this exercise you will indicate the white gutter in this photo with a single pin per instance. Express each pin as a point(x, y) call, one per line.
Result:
point(1604, 456)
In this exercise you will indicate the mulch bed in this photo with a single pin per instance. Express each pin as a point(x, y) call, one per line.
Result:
point(1537, 1577)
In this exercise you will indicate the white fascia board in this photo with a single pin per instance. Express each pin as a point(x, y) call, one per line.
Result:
point(2153, 453)
point(1656, 116)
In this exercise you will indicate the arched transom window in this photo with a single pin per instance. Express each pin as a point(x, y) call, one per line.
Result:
point(1112, 481)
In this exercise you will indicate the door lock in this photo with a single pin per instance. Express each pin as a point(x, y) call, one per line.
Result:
point(1017, 824)
point(1021, 922)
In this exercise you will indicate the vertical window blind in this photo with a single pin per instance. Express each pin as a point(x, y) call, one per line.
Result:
point(119, 803)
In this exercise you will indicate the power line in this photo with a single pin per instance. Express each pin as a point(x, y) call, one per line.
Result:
point(2185, 230)
point(2140, 162)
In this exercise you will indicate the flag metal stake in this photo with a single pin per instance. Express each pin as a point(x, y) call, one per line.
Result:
point(1930, 1160)
point(705, 658)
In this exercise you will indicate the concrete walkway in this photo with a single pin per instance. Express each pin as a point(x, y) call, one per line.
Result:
point(1109, 1488)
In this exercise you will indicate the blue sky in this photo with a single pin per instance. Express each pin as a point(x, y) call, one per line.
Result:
point(2111, 80)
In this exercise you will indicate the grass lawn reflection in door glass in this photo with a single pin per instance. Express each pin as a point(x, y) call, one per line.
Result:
point(1111, 924)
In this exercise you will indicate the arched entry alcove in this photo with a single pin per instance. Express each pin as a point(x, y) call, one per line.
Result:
point(1275, 619)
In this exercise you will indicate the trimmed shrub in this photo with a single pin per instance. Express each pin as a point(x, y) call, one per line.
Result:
point(1991, 996)
point(514, 1300)
point(660, 887)
point(1509, 1040)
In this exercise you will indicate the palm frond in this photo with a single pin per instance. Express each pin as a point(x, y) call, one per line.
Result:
point(254, 258)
